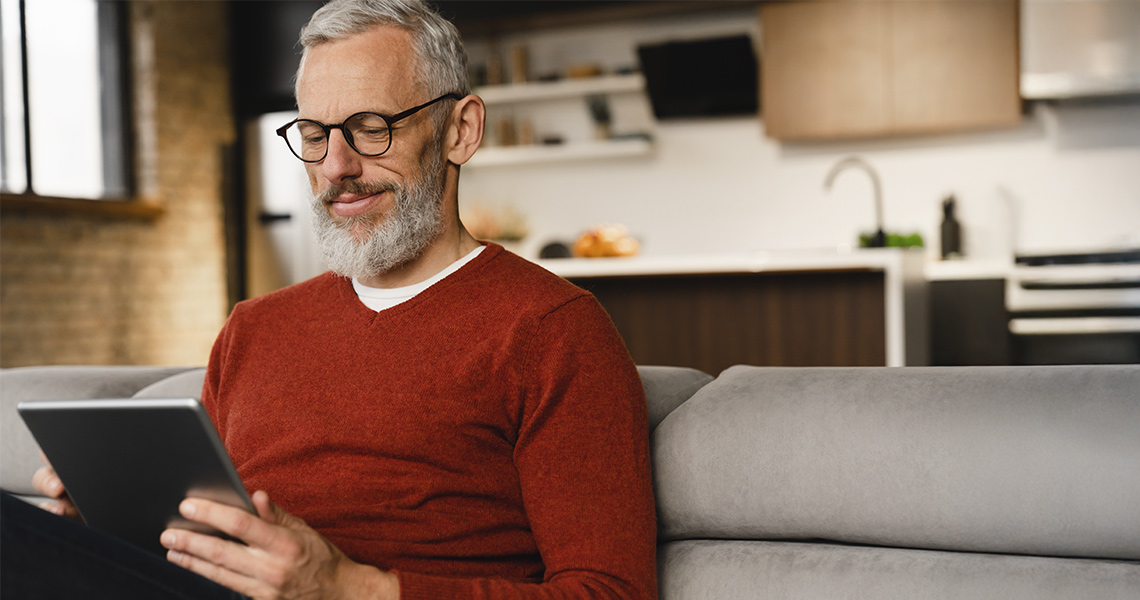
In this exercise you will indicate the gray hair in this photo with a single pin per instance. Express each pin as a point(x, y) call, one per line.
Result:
point(441, 67)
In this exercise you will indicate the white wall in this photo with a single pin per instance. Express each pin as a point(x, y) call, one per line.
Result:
point(1067, 179)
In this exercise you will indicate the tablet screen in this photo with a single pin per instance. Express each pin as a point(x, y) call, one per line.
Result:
point(127, 463)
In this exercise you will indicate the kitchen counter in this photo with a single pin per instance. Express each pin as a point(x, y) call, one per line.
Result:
point(904, 296)
point(755, 262)
point(967, 269)
point(933, 270)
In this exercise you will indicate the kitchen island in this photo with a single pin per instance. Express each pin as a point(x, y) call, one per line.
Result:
point(786, 308)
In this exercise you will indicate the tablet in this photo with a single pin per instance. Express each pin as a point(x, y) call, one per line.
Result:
point(128, 463)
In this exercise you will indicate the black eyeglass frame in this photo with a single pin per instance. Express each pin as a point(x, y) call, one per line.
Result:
point(389, 120)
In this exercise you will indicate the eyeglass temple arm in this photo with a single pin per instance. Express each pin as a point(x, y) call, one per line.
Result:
point(412, 111)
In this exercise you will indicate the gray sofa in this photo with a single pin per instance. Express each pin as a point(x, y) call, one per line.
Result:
point(823, 483)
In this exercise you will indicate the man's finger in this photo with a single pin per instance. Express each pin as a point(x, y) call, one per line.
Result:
point(265, 509)
point(62, 508)
point(272, 513)
point(231, 520)
point(47, 482)
point(238, 582)
point(223, 554)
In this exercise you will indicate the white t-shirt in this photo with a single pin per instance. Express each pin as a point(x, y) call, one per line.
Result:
point(379, 299)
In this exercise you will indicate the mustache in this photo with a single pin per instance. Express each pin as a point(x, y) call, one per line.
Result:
point(358, 188)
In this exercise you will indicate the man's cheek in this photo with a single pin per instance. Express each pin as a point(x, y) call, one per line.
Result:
point(314, 183)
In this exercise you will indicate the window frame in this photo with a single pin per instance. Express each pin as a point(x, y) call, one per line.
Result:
point(117, 125)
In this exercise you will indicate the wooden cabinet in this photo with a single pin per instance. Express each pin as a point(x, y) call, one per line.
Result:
point(843, 69)
point(822, 69)
point(713, 321)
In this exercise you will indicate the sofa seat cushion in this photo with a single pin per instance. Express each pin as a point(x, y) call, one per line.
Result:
point(1017, 460)
point(744, 570)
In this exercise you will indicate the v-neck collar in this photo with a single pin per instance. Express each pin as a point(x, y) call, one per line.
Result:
point(368, 317)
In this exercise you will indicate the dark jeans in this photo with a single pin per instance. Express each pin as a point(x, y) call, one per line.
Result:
point(47, 557)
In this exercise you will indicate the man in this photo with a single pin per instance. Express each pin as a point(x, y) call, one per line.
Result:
point(439, 418)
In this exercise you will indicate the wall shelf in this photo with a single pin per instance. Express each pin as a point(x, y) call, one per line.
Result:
point(535, 93)
point(523, 155)
point(565, 88)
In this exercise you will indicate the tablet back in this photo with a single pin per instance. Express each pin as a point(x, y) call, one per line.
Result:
point(127, 464)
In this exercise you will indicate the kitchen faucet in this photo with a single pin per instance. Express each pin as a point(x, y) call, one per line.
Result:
point(880, 238)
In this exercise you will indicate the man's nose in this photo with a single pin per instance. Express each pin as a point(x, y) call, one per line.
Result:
point(342, 162)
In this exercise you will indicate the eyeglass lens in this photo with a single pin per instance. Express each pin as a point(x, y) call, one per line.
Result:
point(367, 133)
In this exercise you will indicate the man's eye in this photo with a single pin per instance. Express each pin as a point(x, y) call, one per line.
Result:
point(315, 138)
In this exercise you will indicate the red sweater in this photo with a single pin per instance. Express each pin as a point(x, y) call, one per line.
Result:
point(485, 439)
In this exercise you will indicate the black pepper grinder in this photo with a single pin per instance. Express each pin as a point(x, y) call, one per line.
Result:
point(951, 230)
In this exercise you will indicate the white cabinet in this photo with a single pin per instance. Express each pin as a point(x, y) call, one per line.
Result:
point(560, 109)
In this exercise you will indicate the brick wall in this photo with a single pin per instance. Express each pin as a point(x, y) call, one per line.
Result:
point(78, 289)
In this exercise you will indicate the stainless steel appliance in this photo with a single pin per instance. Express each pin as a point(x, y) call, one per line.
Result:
point(1078, 308)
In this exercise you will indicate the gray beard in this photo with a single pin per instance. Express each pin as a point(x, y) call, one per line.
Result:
point(413, 223)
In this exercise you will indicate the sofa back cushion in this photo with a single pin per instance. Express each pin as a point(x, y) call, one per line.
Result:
point(1022, 460)
point(667, 387)
point(187, 384)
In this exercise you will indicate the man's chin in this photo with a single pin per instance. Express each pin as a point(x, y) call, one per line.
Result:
point(360, 228)
point(361, 232)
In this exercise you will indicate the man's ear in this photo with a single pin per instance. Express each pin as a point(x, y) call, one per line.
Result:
point(465, 129)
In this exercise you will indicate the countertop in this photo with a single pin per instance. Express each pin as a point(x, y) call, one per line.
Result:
point(774, 261)
point(881, 259)
point(943, 270)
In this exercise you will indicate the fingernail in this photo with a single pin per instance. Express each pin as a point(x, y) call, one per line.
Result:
point(167, 539)
point(187, 509)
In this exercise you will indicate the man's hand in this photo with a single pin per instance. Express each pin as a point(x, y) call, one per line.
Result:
point(284, 558)
point(49, 484)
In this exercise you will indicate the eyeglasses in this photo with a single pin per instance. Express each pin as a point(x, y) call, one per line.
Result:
point(369, 133)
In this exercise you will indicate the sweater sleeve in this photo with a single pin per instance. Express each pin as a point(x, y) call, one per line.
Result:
point(583, 460)
point(211, 386)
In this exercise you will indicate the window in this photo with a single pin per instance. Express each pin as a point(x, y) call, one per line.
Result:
point(65, 111)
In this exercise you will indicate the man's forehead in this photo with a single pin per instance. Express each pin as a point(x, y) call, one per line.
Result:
point(376, 66)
